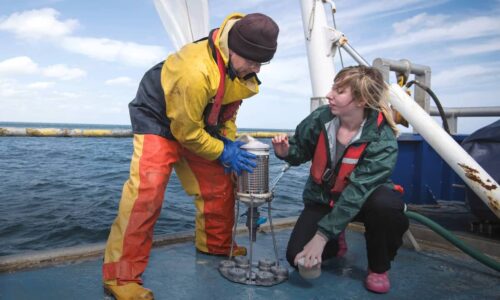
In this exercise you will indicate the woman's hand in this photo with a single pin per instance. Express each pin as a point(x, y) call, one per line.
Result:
point(280, 145)
point(312, 251)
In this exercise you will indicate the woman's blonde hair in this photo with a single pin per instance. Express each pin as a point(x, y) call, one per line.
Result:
point(367, 85)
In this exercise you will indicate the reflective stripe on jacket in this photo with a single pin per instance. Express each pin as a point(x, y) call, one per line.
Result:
point(320, 173)
point(373, 169)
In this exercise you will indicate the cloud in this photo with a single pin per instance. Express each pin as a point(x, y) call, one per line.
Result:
point(296, 81)
point(66, 95)
point(454, 30)
point(44, 23)
point(219, 9)
point(23, 65)
point(38, 24)
point(9, 88)
point(41, 85)
point(13, 91)
point(115, 51)
point(418, 21)
point(364, 10)
point(20, 65)
point(123, 80)
point(464, 74)
point(63, 72)
point(293, 37)
point(476, 48)
point(64, 104)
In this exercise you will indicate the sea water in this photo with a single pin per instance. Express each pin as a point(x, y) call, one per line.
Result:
point(58, 192)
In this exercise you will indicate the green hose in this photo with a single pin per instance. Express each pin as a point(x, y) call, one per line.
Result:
point(454, 240)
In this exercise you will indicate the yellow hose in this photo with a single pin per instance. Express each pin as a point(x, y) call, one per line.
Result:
point(62, 132)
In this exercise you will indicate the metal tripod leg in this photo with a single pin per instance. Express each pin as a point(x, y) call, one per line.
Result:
point(250, 263)
point(234, 229)
point(272, 233)
point(413, 241)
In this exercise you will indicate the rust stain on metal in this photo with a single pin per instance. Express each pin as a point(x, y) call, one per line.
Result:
point(468, 169)
point(493, 204)
point(472, 174)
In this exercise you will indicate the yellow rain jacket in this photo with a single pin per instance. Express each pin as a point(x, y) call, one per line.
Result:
point(189, 82)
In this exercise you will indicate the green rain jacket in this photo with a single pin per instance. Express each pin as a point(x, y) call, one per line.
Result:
point(373, 169)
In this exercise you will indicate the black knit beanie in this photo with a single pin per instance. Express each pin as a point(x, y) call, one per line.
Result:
point(254, 37)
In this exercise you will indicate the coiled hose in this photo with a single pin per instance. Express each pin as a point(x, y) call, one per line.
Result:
point(489, 262)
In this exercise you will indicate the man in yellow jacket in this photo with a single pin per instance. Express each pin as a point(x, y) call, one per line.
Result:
point(183, 117)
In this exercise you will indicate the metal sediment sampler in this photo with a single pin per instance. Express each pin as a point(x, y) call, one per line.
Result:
point(253, 190)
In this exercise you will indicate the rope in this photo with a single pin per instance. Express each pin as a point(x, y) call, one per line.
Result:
point(340, 52)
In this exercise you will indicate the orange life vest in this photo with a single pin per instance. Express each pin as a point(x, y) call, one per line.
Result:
point(229, 110)
point(321, 174)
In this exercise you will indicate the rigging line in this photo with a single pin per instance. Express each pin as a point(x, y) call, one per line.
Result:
point(340, 52)
point(189, 18)
point(311, 21)
point(272, 233)
point(341, 60)
point(354, 50)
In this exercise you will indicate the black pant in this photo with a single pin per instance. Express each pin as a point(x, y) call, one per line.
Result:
point(385, 224)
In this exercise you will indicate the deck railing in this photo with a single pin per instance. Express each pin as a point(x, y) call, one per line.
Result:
point(452, 114)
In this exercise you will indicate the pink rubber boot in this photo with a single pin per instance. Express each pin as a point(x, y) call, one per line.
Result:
point(342, 245)
point(377, 283)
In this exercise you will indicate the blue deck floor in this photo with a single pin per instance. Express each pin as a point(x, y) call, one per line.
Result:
point(178, 272)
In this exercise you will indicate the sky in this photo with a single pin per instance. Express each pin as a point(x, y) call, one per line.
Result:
point(69, 61)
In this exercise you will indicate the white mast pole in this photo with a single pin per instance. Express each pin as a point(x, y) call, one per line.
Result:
point(455, 156)
point(485, 187)
point(319, 51)
point(321, 39)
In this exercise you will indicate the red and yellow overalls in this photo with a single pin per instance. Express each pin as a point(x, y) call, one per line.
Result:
point(168, 119)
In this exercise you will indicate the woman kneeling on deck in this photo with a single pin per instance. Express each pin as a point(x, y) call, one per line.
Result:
point(353, 148)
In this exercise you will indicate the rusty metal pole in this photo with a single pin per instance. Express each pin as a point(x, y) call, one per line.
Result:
point(460, 161)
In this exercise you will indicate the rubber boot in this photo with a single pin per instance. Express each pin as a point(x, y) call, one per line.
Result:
point(129, 291)
point(237, 251)
point(377, 282)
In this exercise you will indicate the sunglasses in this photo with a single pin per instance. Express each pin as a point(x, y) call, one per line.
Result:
point(255, 63)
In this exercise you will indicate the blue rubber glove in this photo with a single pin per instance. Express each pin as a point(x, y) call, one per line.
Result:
point(235, 159)
point(227, 170)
